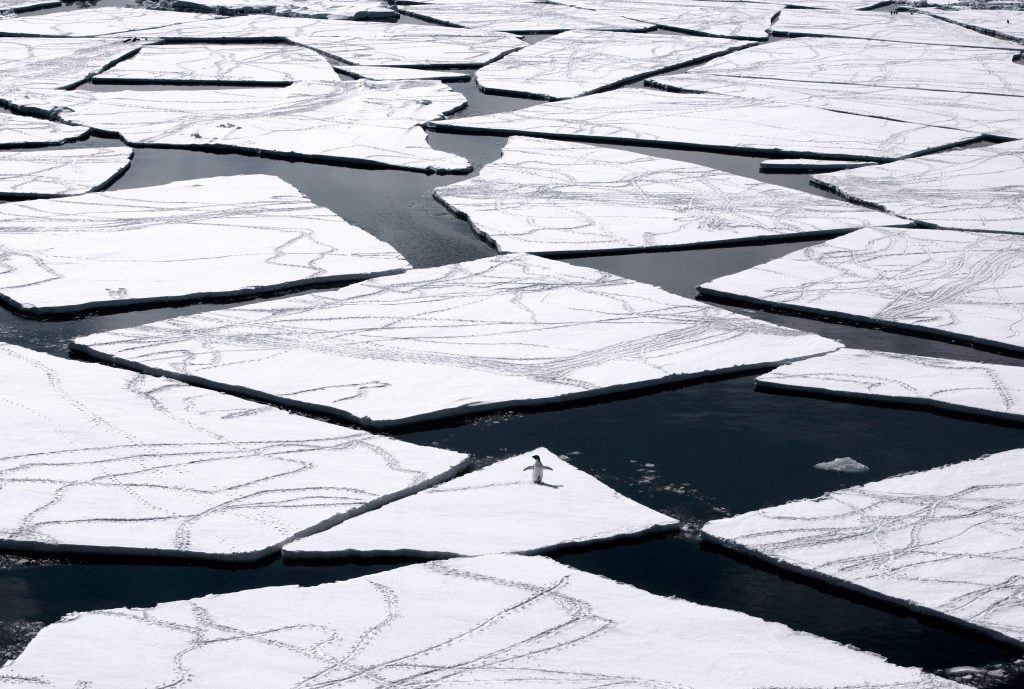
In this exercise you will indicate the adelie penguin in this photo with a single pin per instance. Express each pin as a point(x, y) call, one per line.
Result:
point(538, 469)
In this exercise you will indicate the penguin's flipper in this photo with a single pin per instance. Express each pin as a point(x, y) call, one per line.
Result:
point(528, 468)
point(548, 468)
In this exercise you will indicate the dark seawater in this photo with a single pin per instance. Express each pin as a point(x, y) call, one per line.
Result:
point(696, 452)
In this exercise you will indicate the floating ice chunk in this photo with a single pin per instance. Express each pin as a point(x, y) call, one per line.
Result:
point(972, 189)
point(986, 389)
point(399, 73)
point(715, 122)
point(497, 509)
point(96, 21)
point(374, 123)
point(487, 622)
point(948, 542)
point(44, 172)
point(843, 465)
point(27, 5)
point(324, 9)
point(553, 197)
point(498, 332)
point(1007, 24)
point(964, 284)
point(106, 461)
point(809, 165)
point(575, 63)
point(54, 63)
point(875, 63)
point(16, 130)
point(709, 18)
point(184, 240)
point(270, 65)
point(520, 17)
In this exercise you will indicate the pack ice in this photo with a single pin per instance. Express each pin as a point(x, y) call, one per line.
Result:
point(498, 332)
point(962, 284)
point(324, 9)
point(56, 63)
point(497, 509)
point(554, 197)
point(16, 130)
point(948, 542)
point(219, 236)
point(707, 17)
point(519, 17)
point(486, 622)
point(46, 172)
point(105, 461)
point(96, 21)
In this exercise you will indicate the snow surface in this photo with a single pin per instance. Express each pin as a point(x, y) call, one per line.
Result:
point(553, 197)
point(497, 509)
point(971, 189)
point(486, 622)
point(269, 64)
point(843, 465)
point(96, 21)
point(399, 73)
point(963, 284)
point(26, 5)
point(986, 389)
point(519, 17)
point(46, 172)
point(1007, 24)
point(575, 63)
point(809, 165)
point(100, 460)
point(16, 130)
point(235, 235)
point(736, 125)
point(375, 123)
point(705, 17)
point(54, 63)
point(323, 9)
point(949, 541)
point(498, 332)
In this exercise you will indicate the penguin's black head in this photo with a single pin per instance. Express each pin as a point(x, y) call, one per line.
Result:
point(537, 457)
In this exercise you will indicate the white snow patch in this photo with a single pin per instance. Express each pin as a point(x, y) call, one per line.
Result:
point(16, 130)
point(96, 21)
point(519, 16)
point(47, 172)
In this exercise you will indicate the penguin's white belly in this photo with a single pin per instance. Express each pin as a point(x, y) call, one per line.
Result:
point(538, 474)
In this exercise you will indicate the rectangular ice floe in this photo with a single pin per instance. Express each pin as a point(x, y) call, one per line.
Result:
point(55, 63)
point(1007, 24)
point(461, 339)
point(399, 73)
point(105, 461)
point(16, 130)
point(96, 21)
point(575, 63)
point(185, 240)
point(977, 388)
point(962, 284)
point(520, 17)
point(553, 197)
point(326, 9)
point(486, 622)
point(705, 17)
point(948, 542)
point(46, 171)
point(978, 189)
point(498, 509)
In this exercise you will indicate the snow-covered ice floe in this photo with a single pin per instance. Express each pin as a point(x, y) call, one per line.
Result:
point(553, 197)
point(809, 165)
point(16, 130)
point(979, 189)
point(711, 121)
point(399, 73)
point(269, 65)
point(221, 236)
point(843, 465)
point(27, 5)
point(987, 389)
point(486, 622)
point(967, 285)
point(520, 16)
point(324, 9)
point(372, 123)
point(100, 460)
point(1007, 24)
point(497, 509)
point(575, 63)
point(747, 20)
point(56, 63)
point(46, 172)
point(499, 332)
point(96, 21)
point(948, 542)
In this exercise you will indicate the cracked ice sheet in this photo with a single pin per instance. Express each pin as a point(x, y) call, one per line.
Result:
point(487, 622)
point(272, 64)
point(979, 189)
point(219, 236)
point(881, 64)
point(105, 461)
point(481, 513)
point(949, 541)
point(576, 63)
point(44, 172)
point(374, 123)
point(727, 19)
point(1002, 23)
point(552, 197)
point(500, 332)
point(711, 121)
point(999, 116)
point(55, 63)
point(98, 21)
point(904, 27)
point(399, 73)
point(520, 17)
point(323, 9)
point(16, 130)
point(985, 389)
point(964, 284)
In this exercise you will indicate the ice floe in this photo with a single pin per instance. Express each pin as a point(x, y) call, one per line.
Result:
point(48, 171)
point(968, 285)
point(399, 73)
point(1007, 24)
point(271, 65)
point(843, 465)
point(575, 63)
point(519, 16)
point(977, 388)
point(749, 20)
point(16, 130)
point(809, 165)
point(55, 63)
point(971, 189)
point(101, 460)
point(948, 542)
point(553, 197)
point(324, 9)
point(499, 332)
point(220, 236)
point(27, 5)
point(96, 21)
point(711, 121)
point(493, 621)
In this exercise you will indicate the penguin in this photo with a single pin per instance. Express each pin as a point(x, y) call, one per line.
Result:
point(538, 469)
